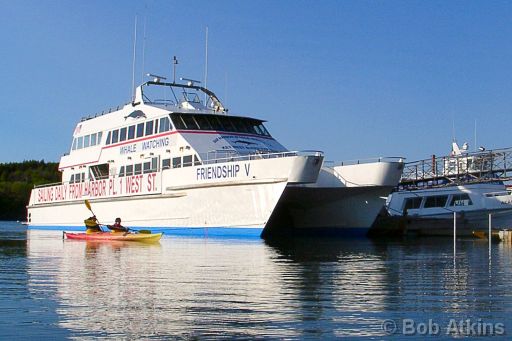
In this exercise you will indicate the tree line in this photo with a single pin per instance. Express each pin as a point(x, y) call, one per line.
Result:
point(17, 179)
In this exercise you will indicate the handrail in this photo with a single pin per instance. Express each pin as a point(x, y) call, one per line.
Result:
point(363, 161)
point(258, 156)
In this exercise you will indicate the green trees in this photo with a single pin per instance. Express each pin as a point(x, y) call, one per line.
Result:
point(16, 182)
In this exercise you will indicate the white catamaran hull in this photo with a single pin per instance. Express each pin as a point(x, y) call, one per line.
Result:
point(345, 200)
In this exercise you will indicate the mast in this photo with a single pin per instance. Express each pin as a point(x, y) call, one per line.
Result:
point(133, 61)
point(206, 65)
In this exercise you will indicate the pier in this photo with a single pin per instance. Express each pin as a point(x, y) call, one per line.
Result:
point(468, 167)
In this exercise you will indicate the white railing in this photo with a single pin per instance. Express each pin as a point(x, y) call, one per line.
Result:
point(363, 161)
point(229, 156)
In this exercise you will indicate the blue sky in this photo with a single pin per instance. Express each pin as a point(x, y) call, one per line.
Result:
point(356, 79)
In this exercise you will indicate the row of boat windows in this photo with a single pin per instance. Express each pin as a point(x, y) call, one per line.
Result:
point(86, 141)
point(181, 121)
point(437, 201)
point(219, 123)
point(147, 128)
point(151, 166)
point(78, 177)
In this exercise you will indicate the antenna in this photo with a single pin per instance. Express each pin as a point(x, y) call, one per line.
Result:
point(206, 66)
point(190, 82)
point(156, 78)
point(143, 48)
point(174, 63)
point(133, 62)
point(453, 129)
point(475, 135)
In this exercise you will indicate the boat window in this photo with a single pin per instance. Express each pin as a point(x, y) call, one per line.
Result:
point(121, 171)
point(164, 124)
point(115, 136)
point(263, 129)
point(239, 125)
point(108, 138)
point(435, 201)
point(72, 179)
point(187, 161)
point(189, 122)
point(87, 140)
point(226, 123)
point(73, 147)
point(129, 170)
point(137, 169)
point(166, 163)
point(80, 144)
point(147, 167)
point(122, 134)
point(98, 171)
point(412, 203)
point(176, 162)
point(93, 139)
point(154, 164)
point(215, 122)
point(197, 162)
point(156, 126)
point(178, 122)
point(461, 200)
point(131, 132)
point(203, 123)
point(149, 128)
point(99, 137)
point(140, 129)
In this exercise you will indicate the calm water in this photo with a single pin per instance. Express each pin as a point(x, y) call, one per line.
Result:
point(209, 288)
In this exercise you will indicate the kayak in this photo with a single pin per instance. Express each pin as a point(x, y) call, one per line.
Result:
point(118, 236)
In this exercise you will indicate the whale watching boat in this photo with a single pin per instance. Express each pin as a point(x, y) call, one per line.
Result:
point(471, 185)
point(173, 160)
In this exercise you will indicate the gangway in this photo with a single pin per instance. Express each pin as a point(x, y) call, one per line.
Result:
point(460, 168)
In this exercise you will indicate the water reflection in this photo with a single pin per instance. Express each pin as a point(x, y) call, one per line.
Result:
point(307, 288)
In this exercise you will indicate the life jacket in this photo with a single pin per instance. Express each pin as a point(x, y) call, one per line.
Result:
point(90, 222)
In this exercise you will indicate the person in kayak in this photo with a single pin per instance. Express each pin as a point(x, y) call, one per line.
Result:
point(117, 227)
point(92, 225)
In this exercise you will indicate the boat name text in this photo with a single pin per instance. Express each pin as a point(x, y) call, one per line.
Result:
point(221, 172)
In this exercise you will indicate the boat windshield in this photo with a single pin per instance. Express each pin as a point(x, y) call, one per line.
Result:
point(219, 123)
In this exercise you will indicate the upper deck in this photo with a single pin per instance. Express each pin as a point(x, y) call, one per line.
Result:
point(166, 125)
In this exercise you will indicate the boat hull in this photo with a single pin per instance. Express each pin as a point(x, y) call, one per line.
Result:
point(344, 201)
point(118, 236)
point(480, 201)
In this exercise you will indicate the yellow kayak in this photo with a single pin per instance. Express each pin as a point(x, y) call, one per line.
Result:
point(118, 236)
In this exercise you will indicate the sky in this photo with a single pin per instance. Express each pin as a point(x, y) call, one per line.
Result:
point(354, 79)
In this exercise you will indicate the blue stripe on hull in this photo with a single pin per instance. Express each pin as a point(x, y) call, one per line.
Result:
point(216, 232)
point(349, 232)
point(232, 232)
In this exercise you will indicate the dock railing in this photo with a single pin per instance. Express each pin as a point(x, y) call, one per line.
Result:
point(481, 166)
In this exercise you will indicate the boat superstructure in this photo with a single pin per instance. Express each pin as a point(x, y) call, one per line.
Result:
point(473, 185)
point(174, 162)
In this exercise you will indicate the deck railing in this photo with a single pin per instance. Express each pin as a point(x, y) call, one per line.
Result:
point(469, 167)
point(363, 161)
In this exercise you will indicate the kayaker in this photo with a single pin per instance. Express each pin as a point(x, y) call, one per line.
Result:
point(117, 227)
point(92, 225)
